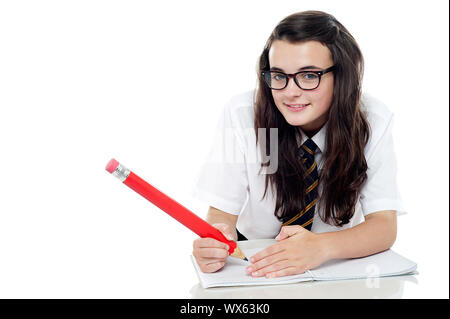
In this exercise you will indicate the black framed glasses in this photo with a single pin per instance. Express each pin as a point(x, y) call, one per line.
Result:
point(306, 80)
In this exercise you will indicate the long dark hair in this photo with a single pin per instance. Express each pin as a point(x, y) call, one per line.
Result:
point(344, 169)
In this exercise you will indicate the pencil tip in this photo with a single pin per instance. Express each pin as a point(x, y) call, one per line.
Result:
point(239, 254)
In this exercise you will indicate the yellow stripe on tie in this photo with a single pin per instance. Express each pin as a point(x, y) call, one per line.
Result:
point(293, 219)
point(310, 188)
point(310, 169)
point(307, 149)
point(308, 222)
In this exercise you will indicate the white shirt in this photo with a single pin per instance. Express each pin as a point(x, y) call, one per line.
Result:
point(230, 179)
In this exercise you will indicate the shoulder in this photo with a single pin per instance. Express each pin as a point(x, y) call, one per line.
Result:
point(239, 110)
point(380, 119)
point(375, 109)
point(243, 99)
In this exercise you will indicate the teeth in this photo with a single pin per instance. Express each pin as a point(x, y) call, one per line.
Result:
point(301, 105)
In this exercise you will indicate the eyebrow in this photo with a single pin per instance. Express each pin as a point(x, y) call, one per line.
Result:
point(301, 69)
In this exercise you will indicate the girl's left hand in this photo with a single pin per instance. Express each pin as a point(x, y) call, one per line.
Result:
point(297, 250)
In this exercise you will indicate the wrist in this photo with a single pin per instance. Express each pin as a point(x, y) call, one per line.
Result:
point(328, 247)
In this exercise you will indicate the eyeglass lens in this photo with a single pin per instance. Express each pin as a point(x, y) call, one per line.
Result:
point(306, 80)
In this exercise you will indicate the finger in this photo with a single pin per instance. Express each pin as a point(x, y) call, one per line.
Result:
point(207, 260)
point(269, 260)
point(278, 265)
point(221, 226)
point(288, 231)
point(271, 250)
point(209, 243)
point(288, 271)
point(212, 267)
point(214, 253)
point(225, 229)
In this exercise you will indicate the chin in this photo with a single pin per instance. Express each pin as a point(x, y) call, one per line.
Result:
point(295, 121)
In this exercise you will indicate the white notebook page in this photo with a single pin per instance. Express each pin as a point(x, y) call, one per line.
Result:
point(386, 263)
point(234, 273)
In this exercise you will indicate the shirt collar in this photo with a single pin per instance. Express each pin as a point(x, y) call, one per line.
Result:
point(319, 138)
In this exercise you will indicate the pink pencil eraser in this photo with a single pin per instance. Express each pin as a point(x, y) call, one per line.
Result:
point(112, 165)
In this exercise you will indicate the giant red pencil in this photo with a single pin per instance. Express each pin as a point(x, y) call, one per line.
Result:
point(171, 207)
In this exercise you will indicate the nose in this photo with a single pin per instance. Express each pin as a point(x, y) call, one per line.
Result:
point(292, 87)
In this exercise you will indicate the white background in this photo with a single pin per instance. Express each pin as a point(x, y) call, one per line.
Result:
point(144, 82)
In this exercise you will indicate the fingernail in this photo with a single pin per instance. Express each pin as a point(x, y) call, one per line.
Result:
point(249, 269)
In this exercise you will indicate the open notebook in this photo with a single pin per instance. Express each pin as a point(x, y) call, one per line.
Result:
point(387, 263)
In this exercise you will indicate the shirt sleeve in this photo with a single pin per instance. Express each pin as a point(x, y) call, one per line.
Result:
point(222, 181)
point(380, 191)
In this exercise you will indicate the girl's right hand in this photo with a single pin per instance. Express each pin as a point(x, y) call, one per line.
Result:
point(210, 253)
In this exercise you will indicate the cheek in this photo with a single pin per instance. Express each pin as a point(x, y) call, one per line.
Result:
point(277, 98)
point(323, 101)
point(324, 97)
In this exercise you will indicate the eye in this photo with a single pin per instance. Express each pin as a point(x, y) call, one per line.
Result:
point(309, 76)
point(278, 77)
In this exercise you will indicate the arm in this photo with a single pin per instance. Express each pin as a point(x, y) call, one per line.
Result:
point(298, 249)
point(377, 233)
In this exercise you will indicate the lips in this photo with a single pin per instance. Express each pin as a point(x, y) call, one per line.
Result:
point(297, 107)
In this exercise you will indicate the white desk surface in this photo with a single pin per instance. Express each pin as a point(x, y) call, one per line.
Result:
point(387, 288)
point(140, 270)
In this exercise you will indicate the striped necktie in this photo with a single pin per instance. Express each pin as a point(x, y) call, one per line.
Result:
point(306, 216)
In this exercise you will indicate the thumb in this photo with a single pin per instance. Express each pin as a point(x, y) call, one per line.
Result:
point(225, 230)
point(288, 231)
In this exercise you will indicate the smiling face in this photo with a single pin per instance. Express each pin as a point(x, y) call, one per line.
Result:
point(314, 104)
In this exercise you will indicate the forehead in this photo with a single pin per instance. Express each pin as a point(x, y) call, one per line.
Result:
point(293, 56)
